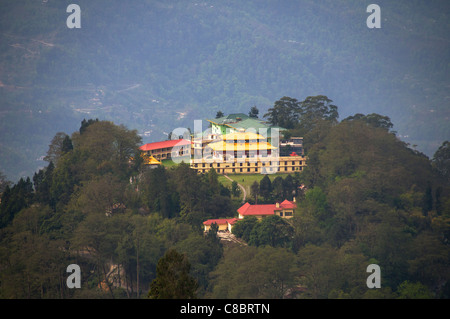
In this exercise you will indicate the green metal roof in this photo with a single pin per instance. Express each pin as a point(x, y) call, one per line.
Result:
point(245, 122)
point(229, 118)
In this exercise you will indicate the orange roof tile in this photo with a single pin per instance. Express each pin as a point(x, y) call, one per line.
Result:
point(288, 204)
point(164, 144)
point(264, 209)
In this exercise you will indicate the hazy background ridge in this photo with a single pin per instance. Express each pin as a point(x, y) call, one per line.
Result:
point(158, 65)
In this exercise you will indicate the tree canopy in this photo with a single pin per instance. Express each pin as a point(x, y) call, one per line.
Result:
point(364, 197)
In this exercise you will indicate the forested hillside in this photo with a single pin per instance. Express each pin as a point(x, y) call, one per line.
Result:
point(137, 233)
point(157, 65)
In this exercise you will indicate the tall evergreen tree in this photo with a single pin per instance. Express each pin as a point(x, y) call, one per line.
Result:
point(173, 280)
point(254, 190)
point(219, 114)
point(265, 188)
point(284, 113)
point(441, 160)
point(253, 112)
point(427, 204)
point(15, 199)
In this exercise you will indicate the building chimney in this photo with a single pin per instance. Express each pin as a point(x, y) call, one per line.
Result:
point(294, 199)
point(278, 205)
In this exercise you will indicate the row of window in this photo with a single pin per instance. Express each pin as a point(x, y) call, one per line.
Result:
point(286, 214)
point(166, 151)
point(286, 163)
point(255, 170)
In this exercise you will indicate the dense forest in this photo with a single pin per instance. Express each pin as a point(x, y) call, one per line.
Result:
point(153, 65)
point(137, 233)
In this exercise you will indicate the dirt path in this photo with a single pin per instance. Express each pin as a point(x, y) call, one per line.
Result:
point(244, 192)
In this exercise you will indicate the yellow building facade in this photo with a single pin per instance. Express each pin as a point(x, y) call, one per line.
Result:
point(243, 153)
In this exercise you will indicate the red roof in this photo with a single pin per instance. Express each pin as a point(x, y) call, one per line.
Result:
point(220, 221)
point(264, 209)
point(288, 204)
point(164, 144)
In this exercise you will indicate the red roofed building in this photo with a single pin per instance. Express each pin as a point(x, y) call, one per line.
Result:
point(223, 224)
point(167, 149)
point(285, 209)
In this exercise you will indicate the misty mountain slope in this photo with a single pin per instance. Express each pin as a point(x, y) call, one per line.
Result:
point(158, 65)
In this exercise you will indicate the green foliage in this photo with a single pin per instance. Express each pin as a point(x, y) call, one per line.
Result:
point(254, 272)
point(369, 199)
point(204, 253)
point(373, 119)
point(284, 113)
point(331, 273)
point(272, 230)
point(243, 228)
point(3, 182)
point(31, 261)
point(219, 114)
point(441, 160)
point(254, 190)
point(14, 199)
point(235, 189)
point(409, 290)
point(158, 192)
point(265, 188)
point(253, 112)
point(302, 117)
point(172, 278)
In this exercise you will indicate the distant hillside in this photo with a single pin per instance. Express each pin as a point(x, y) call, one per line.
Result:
point(158, 65)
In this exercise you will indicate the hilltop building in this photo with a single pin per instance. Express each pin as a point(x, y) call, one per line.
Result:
point(292, 147)
point(244, 152)
point(233, 144)
point(285, 209)
point(167, 149)
point(234, 123)
point(223, 224)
